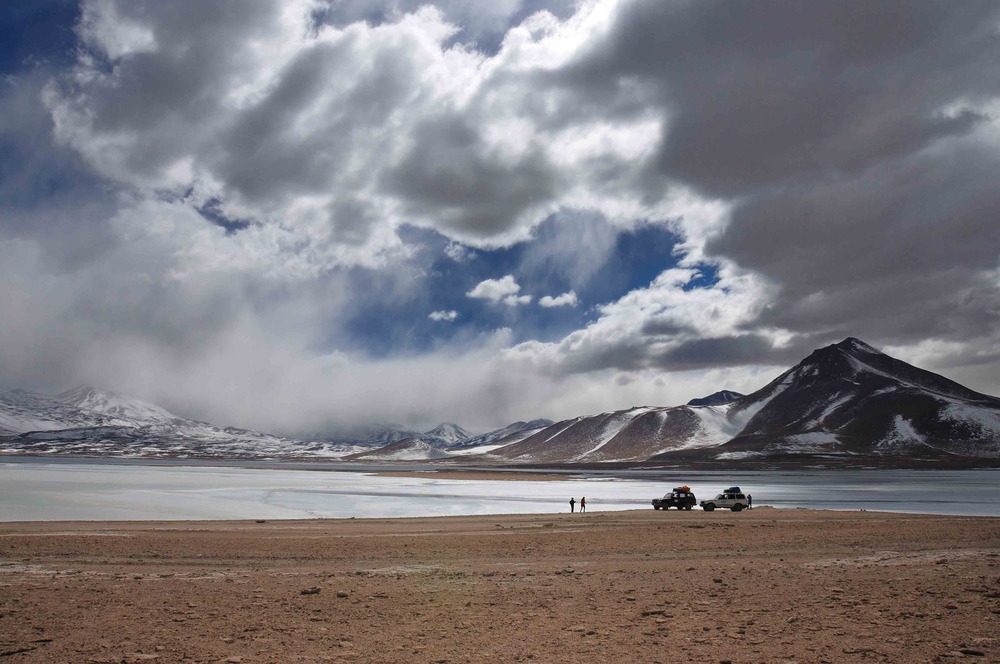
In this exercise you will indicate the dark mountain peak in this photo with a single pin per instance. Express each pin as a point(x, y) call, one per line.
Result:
point(716, 399)
point(843, 360)
point(855, 345)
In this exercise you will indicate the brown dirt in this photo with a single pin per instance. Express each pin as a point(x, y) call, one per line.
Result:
point(641, 586)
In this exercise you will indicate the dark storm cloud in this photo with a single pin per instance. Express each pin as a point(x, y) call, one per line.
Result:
point(768, 93)
point(449, 175)
point(655, 327)
point(718, 352)
point(901, 254)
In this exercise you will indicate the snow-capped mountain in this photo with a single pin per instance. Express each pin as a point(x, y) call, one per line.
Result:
point(88, 421)
point(446, 434)
point(22, 411)
point(847, 400)
point(409, 449)
point(850, 398)
point(118, 409)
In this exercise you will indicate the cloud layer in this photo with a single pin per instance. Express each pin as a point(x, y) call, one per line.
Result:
point(221, 206)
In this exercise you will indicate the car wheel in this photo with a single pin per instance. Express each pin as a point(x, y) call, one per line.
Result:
point(655, 507)
point(709, 508)
point(737, 507)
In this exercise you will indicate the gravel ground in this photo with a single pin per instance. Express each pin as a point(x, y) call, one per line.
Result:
point(643, 586)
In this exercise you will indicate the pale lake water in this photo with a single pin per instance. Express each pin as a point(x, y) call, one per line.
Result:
point(76, 489)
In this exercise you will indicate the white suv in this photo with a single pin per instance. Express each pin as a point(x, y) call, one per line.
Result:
point(733, 501)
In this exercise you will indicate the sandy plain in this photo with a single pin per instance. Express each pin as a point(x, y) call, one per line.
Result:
point(641, 586)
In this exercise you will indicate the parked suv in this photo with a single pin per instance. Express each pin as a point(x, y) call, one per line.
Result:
point(732, 498)
point(681, 497)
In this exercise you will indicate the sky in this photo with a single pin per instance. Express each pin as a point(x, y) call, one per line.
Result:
point(311, 215)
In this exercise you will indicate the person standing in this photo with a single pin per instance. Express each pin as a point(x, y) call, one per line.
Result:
point(583, 504)
point(572, 505)
point(749, 502)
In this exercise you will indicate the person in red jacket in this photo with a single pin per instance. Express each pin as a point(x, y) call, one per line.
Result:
point(583, 504)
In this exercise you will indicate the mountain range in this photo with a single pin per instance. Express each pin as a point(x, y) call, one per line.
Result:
point(847, 401)
point(90, 422)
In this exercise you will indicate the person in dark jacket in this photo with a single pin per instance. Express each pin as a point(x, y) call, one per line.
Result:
point(572, 505)
point(749, 502)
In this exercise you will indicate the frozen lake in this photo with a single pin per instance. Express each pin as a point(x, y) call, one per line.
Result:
point(65, 489)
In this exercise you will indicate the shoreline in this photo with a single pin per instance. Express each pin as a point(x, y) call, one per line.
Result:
point(799, 463)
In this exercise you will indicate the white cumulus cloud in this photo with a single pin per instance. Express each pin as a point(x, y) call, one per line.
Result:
point(565, 300)
point(446, 316)
point(504, 290)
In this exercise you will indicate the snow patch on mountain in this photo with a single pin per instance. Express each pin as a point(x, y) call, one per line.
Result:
point(986, 422)
point(812, 441)
point(829, 410)
point(742, 414)
point(615, 423)
point(902, 434)
point(714, 428)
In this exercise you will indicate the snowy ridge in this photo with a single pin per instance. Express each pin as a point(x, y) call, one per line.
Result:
point(87, 421)
point(511, 433)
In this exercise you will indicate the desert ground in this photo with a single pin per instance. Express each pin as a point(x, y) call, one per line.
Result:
point(641, 586)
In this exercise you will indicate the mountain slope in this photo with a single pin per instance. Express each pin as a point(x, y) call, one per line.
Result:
point(511, 433)
point(635, 434)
